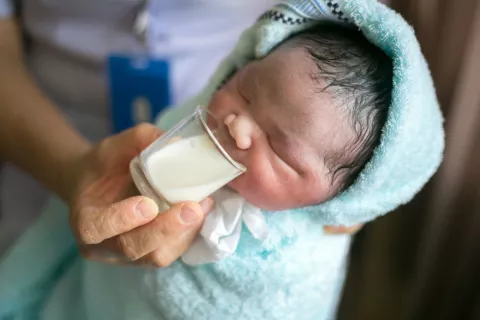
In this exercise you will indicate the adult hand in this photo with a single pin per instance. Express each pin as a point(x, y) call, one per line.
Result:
point(111, 224)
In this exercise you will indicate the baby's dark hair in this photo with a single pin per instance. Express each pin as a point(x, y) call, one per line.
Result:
point(359, 76)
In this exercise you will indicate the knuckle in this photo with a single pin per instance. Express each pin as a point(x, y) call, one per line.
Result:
point(103, 150)
point(85, 236)
point(105, 143)
point(86, 231)
point(161, 258)
point(165, 230)
point(142, 131)
point(144, 134)
point(116, 223)
point(126, 248)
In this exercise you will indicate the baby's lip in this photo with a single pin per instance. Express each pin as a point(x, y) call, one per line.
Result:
point(232, 184)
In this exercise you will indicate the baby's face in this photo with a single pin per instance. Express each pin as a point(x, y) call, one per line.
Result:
point(284, 127)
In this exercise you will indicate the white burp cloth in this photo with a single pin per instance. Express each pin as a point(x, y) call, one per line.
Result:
point(220, 234)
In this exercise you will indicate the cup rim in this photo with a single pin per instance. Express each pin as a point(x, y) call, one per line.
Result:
point(199, 113)
point(199, 110)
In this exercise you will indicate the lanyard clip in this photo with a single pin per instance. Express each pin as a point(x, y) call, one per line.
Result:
point(141, 24)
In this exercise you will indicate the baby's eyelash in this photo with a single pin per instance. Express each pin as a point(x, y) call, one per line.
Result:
point(240, 91)
point(269, 141)
point(280, 155)
point(243, 96)
point(277, 155)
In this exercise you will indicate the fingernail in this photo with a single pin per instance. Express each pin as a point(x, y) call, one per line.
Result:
point(146, 208)
point(189, 214)
point(207, 205)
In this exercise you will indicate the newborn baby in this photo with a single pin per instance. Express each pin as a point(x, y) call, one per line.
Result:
point(303, 120)
point(306, 118)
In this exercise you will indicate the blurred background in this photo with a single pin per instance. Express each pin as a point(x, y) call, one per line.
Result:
point(423, 261)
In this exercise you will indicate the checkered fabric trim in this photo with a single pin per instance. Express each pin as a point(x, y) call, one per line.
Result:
point(334, 8)
point(281, 17)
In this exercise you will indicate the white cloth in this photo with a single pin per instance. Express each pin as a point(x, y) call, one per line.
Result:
point(221, 230)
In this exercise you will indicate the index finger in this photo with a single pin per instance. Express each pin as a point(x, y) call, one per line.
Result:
point(93, 225)
point(138, 137)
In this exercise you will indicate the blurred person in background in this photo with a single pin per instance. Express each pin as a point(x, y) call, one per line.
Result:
point(54, 86)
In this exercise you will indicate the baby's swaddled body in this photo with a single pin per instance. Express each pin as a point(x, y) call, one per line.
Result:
point(292, 129)
point(296, 274)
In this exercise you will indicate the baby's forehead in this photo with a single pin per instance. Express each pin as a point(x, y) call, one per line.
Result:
point(298, 95)
point(285, 79)
point(307, 113)
point(320, 128)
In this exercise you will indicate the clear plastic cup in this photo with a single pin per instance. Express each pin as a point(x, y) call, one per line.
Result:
point(187, 163)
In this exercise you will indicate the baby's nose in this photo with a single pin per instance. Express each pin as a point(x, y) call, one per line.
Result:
point(241, 129)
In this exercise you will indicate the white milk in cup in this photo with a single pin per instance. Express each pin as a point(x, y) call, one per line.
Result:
point(187, 163)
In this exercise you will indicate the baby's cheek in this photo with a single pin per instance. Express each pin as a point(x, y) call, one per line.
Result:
point(262, 186)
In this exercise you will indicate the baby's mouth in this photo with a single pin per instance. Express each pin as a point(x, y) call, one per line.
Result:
point(232, 185)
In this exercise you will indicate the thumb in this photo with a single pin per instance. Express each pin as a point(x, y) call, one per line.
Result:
point(180, 219)
point(168, 236)
point(172, 246)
